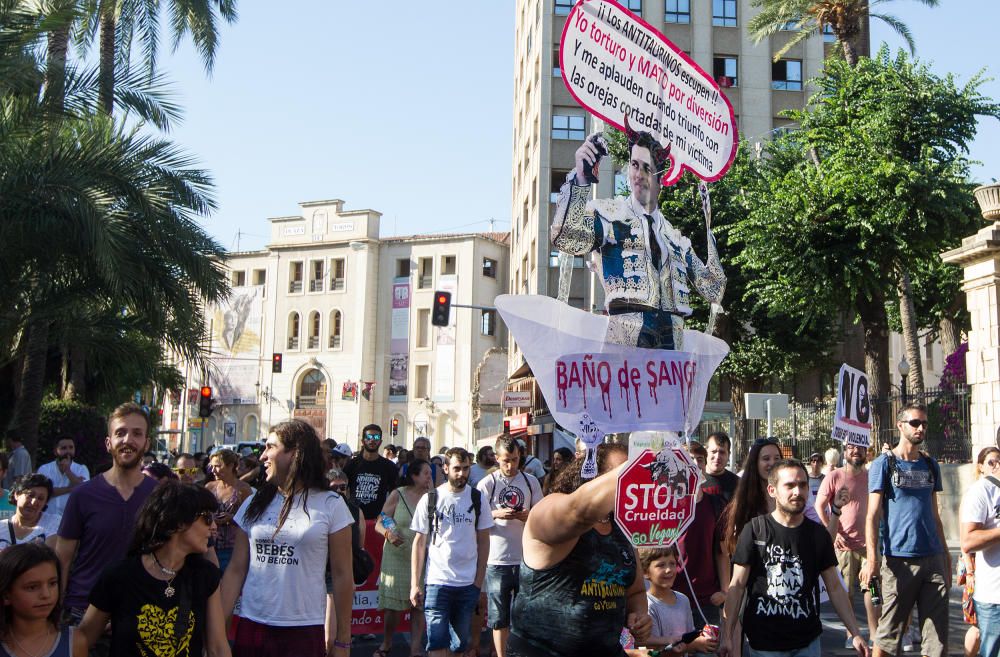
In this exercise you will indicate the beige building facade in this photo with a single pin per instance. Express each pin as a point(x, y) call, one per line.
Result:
point(348, 315)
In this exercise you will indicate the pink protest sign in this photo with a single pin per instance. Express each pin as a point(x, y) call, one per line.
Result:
point(616, 65)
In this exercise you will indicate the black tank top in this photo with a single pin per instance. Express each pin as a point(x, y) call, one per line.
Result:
point(576, 608)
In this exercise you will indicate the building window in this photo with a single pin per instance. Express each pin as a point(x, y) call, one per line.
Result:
point(828, 35)
point(421, 381)
point(448, 265)
point(634, 6)
point(336, 329)
point(239, 278)
point(425, 273)
point(724, 13)
point(338, 274)
point(787, 75)
point(423, 328)
point(314, 324)
point(293, 331)
point(295, 277)
point(316, 276)
point(489, 268)
point(724, 71)
point(562, 7)
point(554, 260)
point(568, 126)
point(557, 181)
point(403, 268)
point(678, 11)
point(791, 26)
point(312, 391)
point(556, 71)
point(259, 276)
point(489, 322)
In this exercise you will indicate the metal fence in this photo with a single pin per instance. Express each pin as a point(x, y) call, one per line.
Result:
point(808, 425)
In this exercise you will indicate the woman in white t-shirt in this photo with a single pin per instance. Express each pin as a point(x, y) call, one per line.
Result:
point(286, 534)
point(30, 523)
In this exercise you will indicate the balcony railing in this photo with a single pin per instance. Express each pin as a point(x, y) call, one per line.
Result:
point(293, 343)
point(295, 286)
point(425, 282)
point(337, 284)
point(316, 285)
point(335, 342)
point(313, 342)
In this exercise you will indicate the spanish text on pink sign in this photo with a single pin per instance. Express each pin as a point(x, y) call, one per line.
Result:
point(649, 389)
point(616, 65)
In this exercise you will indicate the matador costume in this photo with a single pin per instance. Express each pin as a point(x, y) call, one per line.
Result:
point(646, 281)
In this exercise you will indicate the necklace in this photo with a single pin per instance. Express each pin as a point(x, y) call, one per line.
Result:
point(25, 650)
point(169, 572)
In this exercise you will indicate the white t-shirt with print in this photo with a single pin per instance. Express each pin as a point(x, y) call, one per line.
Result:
point(981, 504)
point(285, 585)
point(454, 554)
point(48, 525)
point(51, 470)
point(521, 490)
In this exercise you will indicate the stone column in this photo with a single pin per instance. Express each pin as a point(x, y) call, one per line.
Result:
point(979, 257)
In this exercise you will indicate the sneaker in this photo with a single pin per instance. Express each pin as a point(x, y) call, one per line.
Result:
point(911, 638)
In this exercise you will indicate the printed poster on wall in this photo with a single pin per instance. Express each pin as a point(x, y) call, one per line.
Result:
point(236, 342)
point(444, 353)
point(399, 340)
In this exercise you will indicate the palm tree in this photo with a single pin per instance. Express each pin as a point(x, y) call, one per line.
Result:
point(117, 24)
point(845, 18)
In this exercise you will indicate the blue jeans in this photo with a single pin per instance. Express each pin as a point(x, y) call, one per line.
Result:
point(812, 650)
point(988, 616)
point(448, 612)
point(501, 588)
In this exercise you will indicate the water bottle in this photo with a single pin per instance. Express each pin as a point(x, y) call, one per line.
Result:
point(875, 589)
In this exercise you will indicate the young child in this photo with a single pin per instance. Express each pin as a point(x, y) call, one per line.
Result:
point(670, 610)
point(29, 624)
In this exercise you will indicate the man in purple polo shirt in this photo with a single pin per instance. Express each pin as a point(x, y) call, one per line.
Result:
point(100, 514)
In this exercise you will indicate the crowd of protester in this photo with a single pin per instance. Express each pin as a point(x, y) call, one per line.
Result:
point(258, 554)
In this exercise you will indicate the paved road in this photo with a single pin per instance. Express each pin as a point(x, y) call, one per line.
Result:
point(832, 641)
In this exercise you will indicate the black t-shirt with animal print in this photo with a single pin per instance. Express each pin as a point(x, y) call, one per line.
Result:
point(144, 618)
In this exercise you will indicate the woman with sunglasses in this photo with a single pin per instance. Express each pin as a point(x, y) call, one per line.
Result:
point(164, 598)
point(987, 465)
point(394, 578)
point(230, 493)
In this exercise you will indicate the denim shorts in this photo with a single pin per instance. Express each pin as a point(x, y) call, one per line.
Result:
point(501, 588)
point(989, 628)
point(448, 613)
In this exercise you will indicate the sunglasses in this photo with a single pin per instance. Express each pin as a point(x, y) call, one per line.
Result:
point(340, 488)
point(374, 437)
point(208, 517)
point(916, 424)
point(188, 471)
point(760, 442)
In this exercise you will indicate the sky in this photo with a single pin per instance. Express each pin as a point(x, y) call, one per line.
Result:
point(405, 108)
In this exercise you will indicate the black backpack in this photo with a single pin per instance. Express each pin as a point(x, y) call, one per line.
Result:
point(477, 498)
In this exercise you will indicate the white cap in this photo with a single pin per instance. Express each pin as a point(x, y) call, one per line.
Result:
point(343, 450)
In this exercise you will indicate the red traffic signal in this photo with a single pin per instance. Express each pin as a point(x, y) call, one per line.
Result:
point(276, 363)
point(441, 314)
point(395, 426)
point(205, 402)
point(506, 426)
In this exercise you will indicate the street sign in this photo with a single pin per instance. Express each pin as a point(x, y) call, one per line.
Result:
point(656, 496)
point(517, 399)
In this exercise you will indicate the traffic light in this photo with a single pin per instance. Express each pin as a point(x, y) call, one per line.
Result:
point(442, 309)
point(394, 429)
point(205, 402)
point(276, 363)
point(506, 426)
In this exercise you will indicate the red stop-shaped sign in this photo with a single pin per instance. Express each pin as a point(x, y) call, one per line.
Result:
point(656, 496)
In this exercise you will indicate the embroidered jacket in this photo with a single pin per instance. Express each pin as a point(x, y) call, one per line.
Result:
point(617, 227)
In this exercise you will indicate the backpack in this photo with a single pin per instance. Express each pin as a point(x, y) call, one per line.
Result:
point(894, 468)
point(477, 498)
point(361, 561)
point(527, 484)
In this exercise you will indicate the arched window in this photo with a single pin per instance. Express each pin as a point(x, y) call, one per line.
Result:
point(313, 330)
point(336, 329)
point(250, 428)
point(293, 331)
point(312, 390)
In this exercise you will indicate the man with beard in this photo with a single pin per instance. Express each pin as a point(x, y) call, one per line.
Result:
point(903, 487)
point(100, 514)
point(850, 480)
point(646, 266)
point(452, 524)
point(65, 473)
point(371, 476)
point(777, 565)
